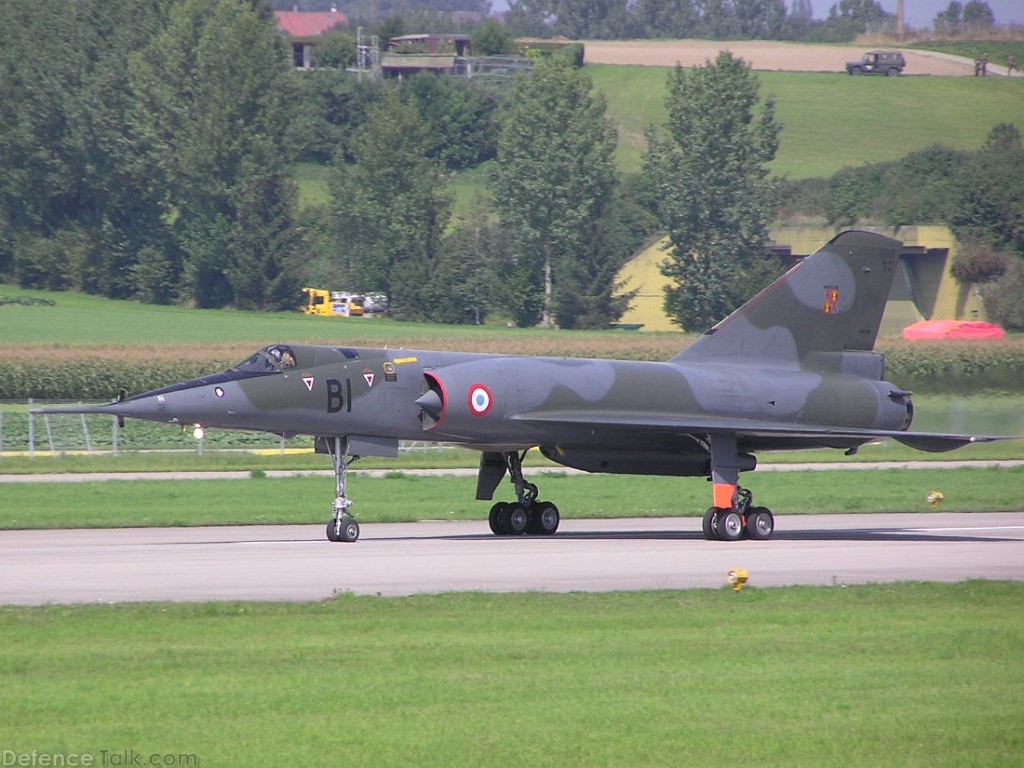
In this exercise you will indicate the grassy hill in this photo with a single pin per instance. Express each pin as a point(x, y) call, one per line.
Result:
point(830, 121)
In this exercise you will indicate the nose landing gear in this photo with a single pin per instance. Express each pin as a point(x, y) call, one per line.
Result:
point(343, 527)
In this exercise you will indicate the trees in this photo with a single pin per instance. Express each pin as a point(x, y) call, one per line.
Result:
point(69, 171)
point(459, 115)
point(978, 16)
point(164, 179)
point(464, 276)
point(947, 22)
point(553, 179)
point(492, 38)
point(390, 209)
point(975, 16)
point(710, 186)
point(212, 115)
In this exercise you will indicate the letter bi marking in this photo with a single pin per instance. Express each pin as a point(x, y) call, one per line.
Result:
point(336, 400)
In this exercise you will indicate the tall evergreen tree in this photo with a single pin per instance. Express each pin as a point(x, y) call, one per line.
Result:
point(70, 170)
point(554, 176)
point(709, 183)
point(212, 114)
point(390, 208)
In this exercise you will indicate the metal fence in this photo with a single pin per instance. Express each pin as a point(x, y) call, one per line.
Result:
point(25, 434)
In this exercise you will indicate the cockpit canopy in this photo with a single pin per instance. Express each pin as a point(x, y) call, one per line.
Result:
point(272, 359)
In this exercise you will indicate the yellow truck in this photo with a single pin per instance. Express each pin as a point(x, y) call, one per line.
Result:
point(333, 303)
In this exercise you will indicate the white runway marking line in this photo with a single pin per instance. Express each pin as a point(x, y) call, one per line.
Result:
point(972, 528)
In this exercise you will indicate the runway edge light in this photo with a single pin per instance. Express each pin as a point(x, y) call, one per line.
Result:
point(935, 499)
point(737, 577)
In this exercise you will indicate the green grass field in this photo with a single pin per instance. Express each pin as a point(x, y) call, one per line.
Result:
point(901, 675)
point(404, 497)
point(82, 320)
point(830, 121)
point(897, 675)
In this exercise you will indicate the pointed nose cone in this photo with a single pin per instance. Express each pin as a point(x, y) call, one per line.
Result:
point(432, 406)
point(431, 403)
point(188, 402)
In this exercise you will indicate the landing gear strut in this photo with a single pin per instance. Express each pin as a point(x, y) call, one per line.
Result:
point(734, 514)
point(739, 520)
point(526, 515)
point(343, 527)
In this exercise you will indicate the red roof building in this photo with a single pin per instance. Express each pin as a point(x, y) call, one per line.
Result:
point(309, 23)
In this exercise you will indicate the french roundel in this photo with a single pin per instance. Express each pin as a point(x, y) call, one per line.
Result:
point(480, 400)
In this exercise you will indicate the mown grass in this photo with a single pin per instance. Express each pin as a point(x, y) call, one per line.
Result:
point(81, 324)
point(405, 496)
point(832, 121)
point(313, 185)
point(898, 675)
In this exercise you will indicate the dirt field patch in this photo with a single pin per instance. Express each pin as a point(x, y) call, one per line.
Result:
point(761, 54)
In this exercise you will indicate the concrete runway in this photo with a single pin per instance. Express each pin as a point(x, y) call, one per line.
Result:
point(298, 563)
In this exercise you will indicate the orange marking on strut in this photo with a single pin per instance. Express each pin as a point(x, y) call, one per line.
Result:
point(724, 493)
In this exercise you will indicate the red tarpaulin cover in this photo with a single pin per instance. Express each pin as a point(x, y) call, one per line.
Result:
point(952, 330)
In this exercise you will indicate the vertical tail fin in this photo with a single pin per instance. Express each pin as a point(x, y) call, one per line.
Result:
point(831, 302)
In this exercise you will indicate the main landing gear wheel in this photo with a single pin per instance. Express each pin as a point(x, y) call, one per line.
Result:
point(540, 518)
point(527, 515)
point(711, 524)
point(544, 518)
point(730, 525)
point(760, 524)
point(742, 521)
point(494, 519)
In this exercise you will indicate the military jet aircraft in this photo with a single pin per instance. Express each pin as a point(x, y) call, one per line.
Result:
point(793, 368)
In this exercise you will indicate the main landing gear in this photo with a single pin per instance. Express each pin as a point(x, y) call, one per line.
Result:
point(526, 515)
point(741, 520)
point(343, 527)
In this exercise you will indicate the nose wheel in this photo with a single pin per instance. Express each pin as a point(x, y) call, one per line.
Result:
point(343, 527)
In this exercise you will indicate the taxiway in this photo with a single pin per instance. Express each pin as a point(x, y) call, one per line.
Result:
point(298, 563)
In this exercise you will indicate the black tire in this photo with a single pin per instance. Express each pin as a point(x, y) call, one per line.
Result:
point(494, 519)
point(518, 519)
point(332, 533)
point(730, 525)
point(856, 71)
point(760, 524)
point(349, 530)
point(892, 72)
point(544, 518)
point(711, 524)
point(505, 520)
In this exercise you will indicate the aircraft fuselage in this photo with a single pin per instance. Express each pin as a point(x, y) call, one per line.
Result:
point(505, 402)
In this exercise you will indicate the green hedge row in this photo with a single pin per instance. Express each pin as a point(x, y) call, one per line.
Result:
point(956, 368)
point(932, 368)
point(94, 380)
